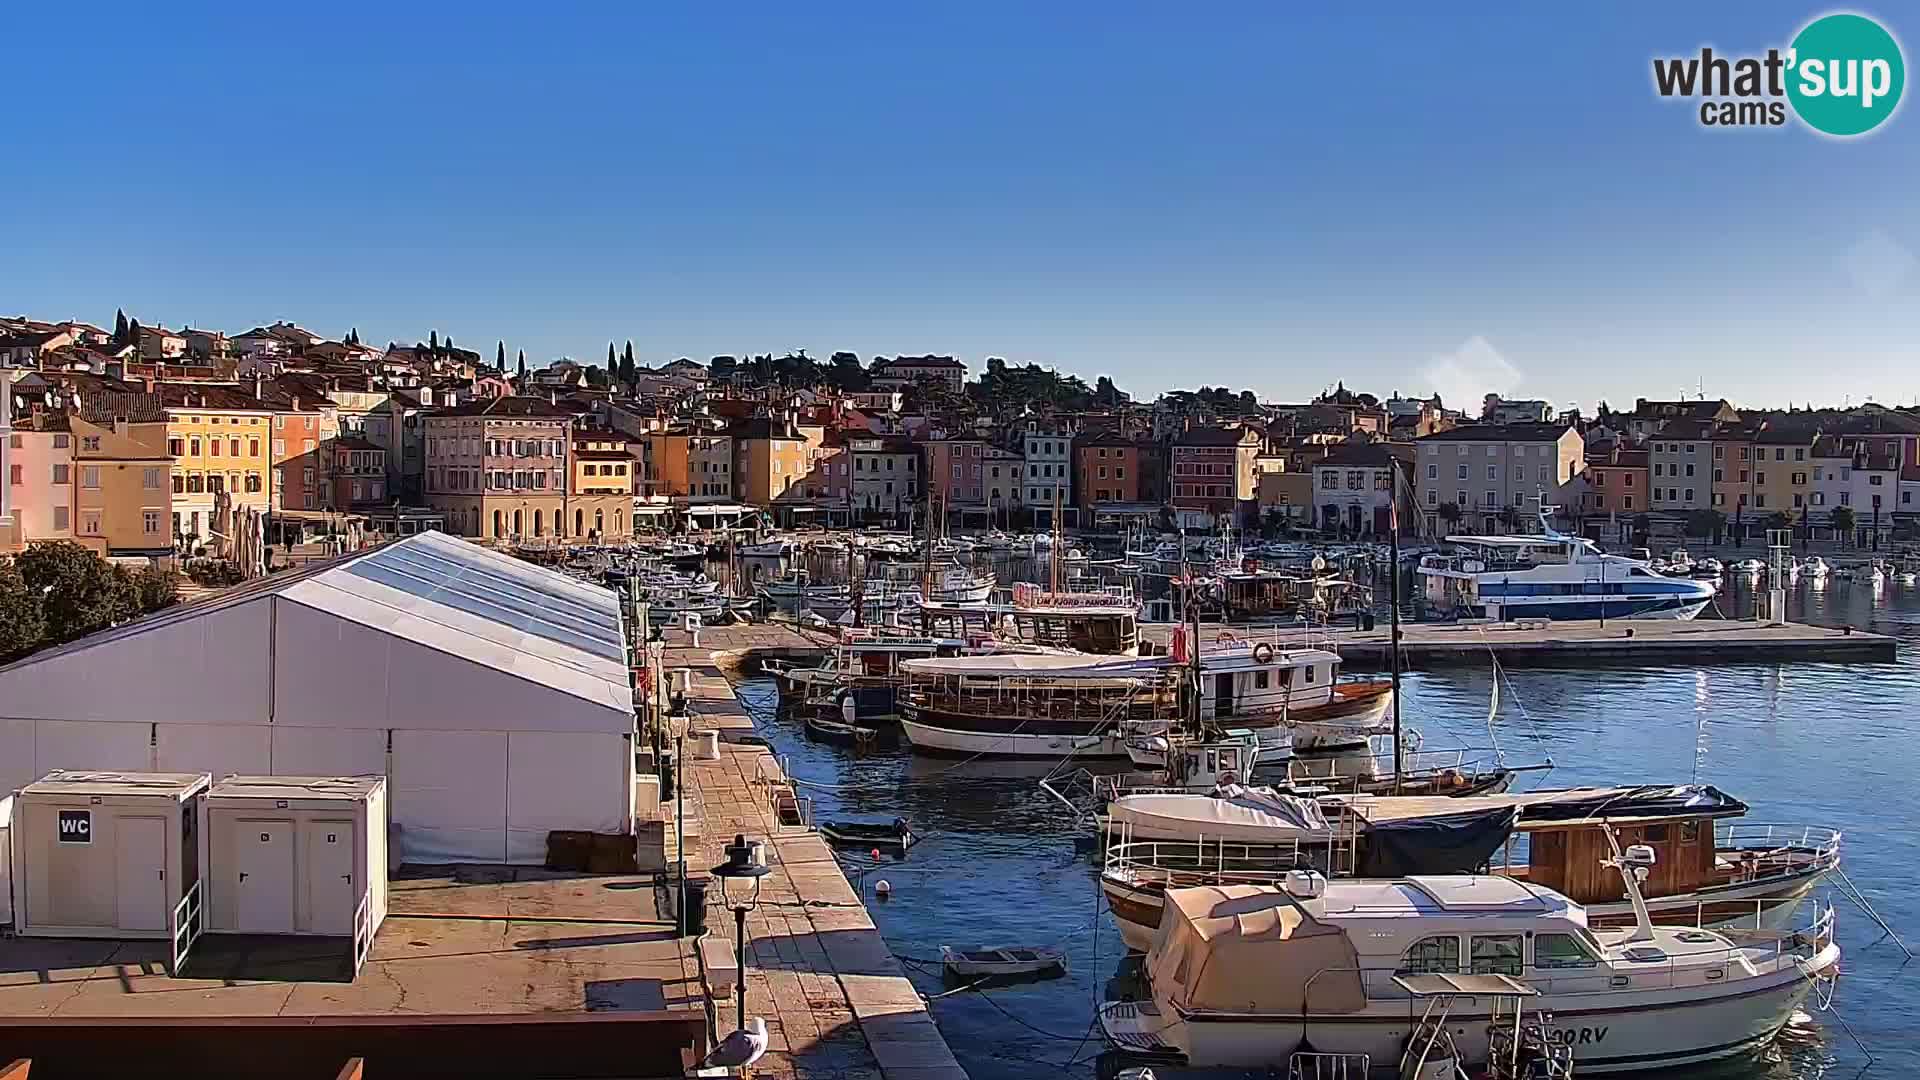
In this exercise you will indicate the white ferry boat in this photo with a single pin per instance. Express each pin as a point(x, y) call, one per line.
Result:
point(1554, 576)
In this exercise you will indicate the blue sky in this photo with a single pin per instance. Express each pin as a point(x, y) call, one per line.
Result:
point(1221, 194)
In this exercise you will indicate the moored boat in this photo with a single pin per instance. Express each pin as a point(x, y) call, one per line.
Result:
point(1245, 976)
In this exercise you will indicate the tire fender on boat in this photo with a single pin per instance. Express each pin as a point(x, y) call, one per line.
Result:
point(1263, 653)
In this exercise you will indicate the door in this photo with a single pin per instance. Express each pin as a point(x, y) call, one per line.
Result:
point(332, 895)
point(264, 893)
point(1223, 695)
point(140, 873)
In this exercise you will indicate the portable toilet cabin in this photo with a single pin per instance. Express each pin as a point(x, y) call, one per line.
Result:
point(302, 855)
point(6, 862)
point(109, 855)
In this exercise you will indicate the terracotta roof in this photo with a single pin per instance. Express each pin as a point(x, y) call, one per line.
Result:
point(515, 407)
point(207, 396)
point(106, 408)
point(1499, 433)
point(1214, 436)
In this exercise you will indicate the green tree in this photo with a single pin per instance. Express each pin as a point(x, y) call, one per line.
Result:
point(1843, 523)
point(629, 371)
point(22, 625)
point(613, 359)
point(79, 593)
point(433, 342)
point(133, 332)
point(500, 356)
point(1706, 524)
point(1642, 529)
point(156, 588)
point(523, 369)
point(353, 335)
point(1449, 513)
point(119, 326)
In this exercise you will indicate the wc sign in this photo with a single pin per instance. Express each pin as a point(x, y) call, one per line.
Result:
point(76, 826)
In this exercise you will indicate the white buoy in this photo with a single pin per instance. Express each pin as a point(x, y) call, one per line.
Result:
point(882, 888)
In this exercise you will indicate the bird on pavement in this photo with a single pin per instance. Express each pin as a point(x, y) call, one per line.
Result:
point(740, 1049)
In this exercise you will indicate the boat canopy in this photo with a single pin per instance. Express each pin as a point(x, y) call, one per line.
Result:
point(1240, 815)
point(1570, 806)
point(1249, 949)
point(1453, 843)
point(1043, 665)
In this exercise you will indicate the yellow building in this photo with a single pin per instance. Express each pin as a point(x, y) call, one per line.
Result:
point(122, 476)
point(221, 439)
point(771, 457)
point(600, 485)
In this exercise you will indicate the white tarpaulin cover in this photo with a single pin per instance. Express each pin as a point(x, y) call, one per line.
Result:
point(493, 694)
point(1238, 815)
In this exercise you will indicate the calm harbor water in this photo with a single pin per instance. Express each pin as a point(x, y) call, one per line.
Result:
point(1814, 743)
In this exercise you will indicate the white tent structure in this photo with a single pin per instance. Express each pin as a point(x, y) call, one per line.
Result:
point(493, 695)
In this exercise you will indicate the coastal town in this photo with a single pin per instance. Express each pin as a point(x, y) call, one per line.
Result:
point(426, 669)
point(144, 442)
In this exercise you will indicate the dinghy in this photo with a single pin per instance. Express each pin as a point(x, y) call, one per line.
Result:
point(895, 834)
point(972, 961)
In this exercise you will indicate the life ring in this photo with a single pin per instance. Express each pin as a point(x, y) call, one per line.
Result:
point(1263, 653)
point(1226, 777)
point(1225, 636)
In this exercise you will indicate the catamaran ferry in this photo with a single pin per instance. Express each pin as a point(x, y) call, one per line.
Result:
point(1553, 576)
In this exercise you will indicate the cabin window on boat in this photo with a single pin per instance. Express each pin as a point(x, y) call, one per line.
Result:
point(1497, 954)
point(1431, 955)
point(1561, 951)
point(1309, 669)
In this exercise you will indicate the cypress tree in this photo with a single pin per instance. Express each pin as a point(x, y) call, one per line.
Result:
point(612, 365)
point(433, 342)
point(629, 371)
point(119, 325)
point(500, 356)
point(523, 369)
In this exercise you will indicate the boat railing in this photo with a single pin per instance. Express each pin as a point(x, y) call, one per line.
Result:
point(1182, 863)
point(1328, 1065)
point(1765, 846)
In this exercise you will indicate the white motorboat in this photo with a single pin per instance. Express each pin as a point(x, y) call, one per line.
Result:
point(767, 549)
point(973, 961)
point(1751, 876)
point(1679, 563)
point(1749, 567)
point(1246, 976)
point(1556, 576)
point(1709, 567)
point(1815, 568)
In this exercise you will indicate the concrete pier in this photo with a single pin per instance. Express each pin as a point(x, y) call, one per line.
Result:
point(1651, 641)
point(836, 1002)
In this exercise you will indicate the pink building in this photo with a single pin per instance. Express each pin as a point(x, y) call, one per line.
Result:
point(39, 478)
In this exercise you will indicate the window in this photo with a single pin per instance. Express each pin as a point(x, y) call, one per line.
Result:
point(233, 447)
point(1627, 478)
point(1801, 478)
point(60, 518)
point(151, 520)
point(1779, 453)
point(1433, 497)
point(1689, 468)
point(1875, 480)
point(1260, 679)
point(176, 446)
point(1119, 472)
point(1799, 453)
point(1431, 955)
point(61, 474)
point(1433, 470)
point(213, 446)
point(90, 477)
point(1626, 502)
point(1493, 473)
point(1460, 473)
point(90, 522)
point(1546, 474)
point(1760, 501)
point(1759, 478)
point(90, 442)
point(154, 479)
point(1689, 494)
point(194, 443)
point(1552, 951)
point(1690, 449)
point(1496, 954)
point(1460, 499)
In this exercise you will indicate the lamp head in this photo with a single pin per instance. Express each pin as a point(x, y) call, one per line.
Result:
point(743, 860)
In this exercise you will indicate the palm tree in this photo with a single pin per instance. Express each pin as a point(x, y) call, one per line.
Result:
point(1642, 529)
point(1449, 513)
point(1329, 516)
point(1843, 524)
point(1509, 518)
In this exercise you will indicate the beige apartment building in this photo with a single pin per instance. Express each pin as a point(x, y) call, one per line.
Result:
point(498, 467)
point(1493, 472)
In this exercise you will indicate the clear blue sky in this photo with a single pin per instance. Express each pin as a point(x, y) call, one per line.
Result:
point(1168, 195)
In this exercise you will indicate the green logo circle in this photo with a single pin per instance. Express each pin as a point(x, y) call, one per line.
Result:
point(1845, 74)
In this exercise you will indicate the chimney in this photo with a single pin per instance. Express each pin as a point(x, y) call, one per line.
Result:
point(148, 380)
point(296, 403)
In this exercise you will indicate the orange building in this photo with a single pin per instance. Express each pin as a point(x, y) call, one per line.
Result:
point(122, 476)
point(1107, 468)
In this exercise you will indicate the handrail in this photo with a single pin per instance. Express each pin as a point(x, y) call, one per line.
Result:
point(362, 932)
point(184, 926)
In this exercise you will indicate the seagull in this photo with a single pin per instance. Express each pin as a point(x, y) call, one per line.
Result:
point(740, 1049)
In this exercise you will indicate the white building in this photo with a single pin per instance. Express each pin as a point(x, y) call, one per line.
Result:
point(1353, 490)
point(1049, 454)
point(493, 695)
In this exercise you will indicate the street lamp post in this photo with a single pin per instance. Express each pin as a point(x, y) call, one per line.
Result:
point(746, 864)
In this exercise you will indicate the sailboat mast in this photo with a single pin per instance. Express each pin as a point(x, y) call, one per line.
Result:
point(1393, 616)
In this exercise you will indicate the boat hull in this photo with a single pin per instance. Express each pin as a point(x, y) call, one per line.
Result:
point(1609, 1032)
point(955, 742)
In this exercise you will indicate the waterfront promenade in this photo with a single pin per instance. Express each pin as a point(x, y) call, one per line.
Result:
point(836, 1002)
